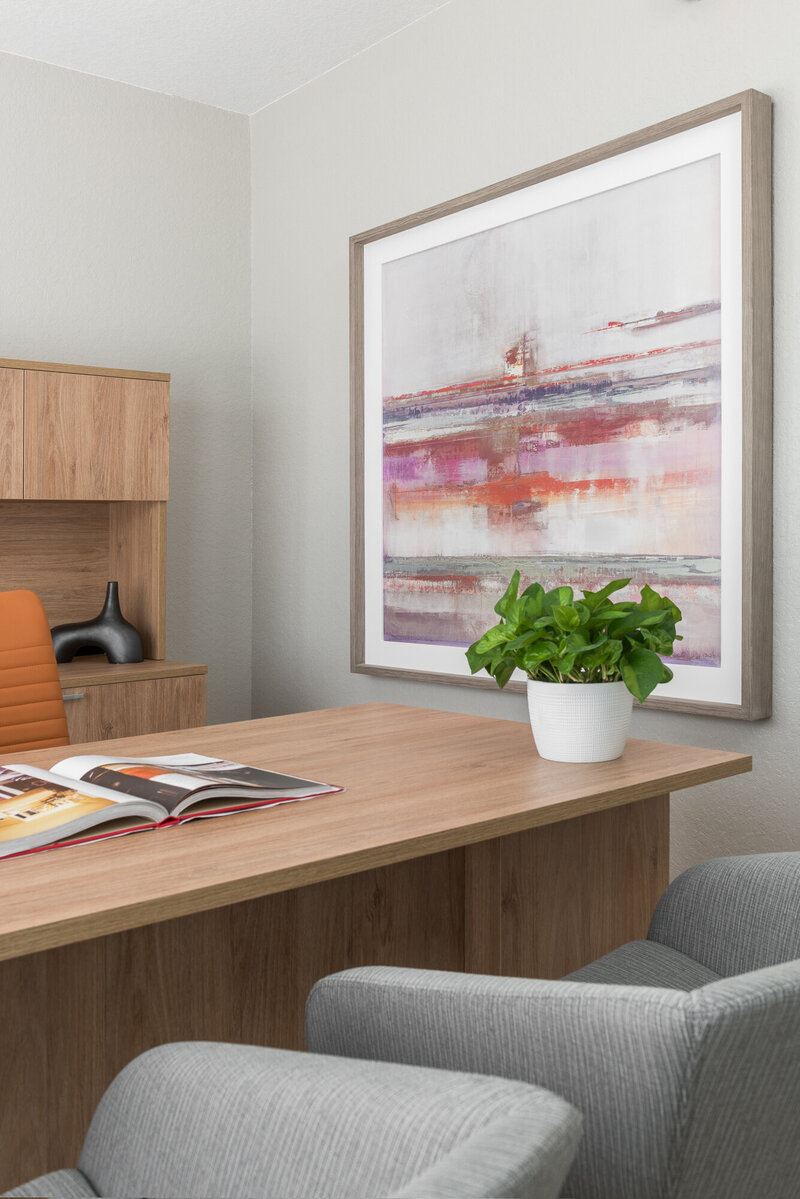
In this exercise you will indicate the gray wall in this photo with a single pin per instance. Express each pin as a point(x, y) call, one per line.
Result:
point(125, 242)
point(471, 95)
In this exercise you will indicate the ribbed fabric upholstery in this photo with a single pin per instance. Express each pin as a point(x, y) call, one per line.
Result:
point(646, 964)
point(217, 1121)
point(733, 914)
point(61, 1184)
point(684, 1096)
point(31, 705)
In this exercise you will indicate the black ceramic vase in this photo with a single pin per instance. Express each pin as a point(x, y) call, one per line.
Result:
point(109, 634)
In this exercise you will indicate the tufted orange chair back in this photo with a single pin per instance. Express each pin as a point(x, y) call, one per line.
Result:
point(31, 705)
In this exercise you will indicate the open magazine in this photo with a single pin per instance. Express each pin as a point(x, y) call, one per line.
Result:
point(90, 797)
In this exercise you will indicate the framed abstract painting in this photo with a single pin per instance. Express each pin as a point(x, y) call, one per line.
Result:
point(569, 373)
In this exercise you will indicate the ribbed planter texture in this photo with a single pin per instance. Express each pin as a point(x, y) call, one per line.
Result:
point(579, 722)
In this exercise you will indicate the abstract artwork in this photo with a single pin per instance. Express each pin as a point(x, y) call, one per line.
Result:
point(552, 379)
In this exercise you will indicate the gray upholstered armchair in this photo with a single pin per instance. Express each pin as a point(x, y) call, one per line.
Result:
point(236, 1122)
point(682, 1051)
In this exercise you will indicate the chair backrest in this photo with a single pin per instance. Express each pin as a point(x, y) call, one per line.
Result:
point(206, 1119)
point(733, 914)
point(31, 703)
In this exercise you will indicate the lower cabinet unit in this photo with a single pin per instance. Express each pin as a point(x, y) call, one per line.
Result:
point(103, 701)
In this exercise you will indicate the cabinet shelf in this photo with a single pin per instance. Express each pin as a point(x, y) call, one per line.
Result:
point(93, 670)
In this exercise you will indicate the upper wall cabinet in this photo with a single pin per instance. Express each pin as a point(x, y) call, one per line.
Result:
point(94, 437)
point(72, 434)
point(11, 423)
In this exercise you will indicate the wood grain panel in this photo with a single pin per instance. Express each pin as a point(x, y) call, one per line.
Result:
point(72, 1007)
point(93, 437)
point(132, 709)
point(67, 368)
point(60, 551)
point(551, 899)
point(137, 555)
point(66, 551)
point(94, 670)
point(11, 432)
point(484, 907)
point(757, 406)
point(626, 865)
point(418, 782)
point(25, 1147)
point(242, 973)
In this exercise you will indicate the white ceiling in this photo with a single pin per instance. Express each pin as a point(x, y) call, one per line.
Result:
point(239, 54)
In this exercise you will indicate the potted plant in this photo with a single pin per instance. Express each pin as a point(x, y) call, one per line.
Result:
point(586, 661)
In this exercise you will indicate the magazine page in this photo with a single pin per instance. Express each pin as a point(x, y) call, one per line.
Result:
point(178, 780)
point(38, 808)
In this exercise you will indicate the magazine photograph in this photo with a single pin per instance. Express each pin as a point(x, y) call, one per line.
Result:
point(90, 797)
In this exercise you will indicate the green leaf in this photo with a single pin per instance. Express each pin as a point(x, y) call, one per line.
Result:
point(601, 616)
point(524, 639)
point(504, 673)
point(493, 637)
point(559, 596)
point(535, 597)
point(651, 600)
point(634, 620)
point(515, 615)
point(509, 595)
point(566, 617)
point(642, 671)
point(595, 598)
point(587, 646)
point(536, 654)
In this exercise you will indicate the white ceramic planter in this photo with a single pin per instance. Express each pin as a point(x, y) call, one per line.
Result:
point(579, 722)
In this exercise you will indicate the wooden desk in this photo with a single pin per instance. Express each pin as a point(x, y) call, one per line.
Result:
point(455, 846)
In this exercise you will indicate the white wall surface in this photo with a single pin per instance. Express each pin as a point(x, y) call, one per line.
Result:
point(473, 94)
point(125, 242)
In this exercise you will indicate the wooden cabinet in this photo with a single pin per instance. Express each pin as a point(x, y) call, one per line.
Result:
point(11, 426)
point(84, 480)
point(91, 437)
point(104, 701)
point(78, 433)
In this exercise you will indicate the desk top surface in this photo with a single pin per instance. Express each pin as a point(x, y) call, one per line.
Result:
point(418, 781)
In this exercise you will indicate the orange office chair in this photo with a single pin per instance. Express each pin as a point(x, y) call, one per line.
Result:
point(31, 706)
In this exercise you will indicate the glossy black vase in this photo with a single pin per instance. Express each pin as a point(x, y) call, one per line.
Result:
point(109, 634)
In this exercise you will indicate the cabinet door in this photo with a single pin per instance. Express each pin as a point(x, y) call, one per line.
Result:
point(100, 713)
point(11, 384)
point(94, 437)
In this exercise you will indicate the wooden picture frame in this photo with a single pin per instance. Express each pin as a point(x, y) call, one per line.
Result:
point(741, 686)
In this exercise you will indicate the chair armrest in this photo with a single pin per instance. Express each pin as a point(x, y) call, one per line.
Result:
point(619, 1054)
point(491, 1162)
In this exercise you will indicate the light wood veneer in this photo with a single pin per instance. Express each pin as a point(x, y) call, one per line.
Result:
point(92, 670)
point(418, 782)
point(454, 847)
point(66, 551)
point(11, 424)
point(105, 701)
point(92, 437)
point(23, 364)
point(84, 479)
